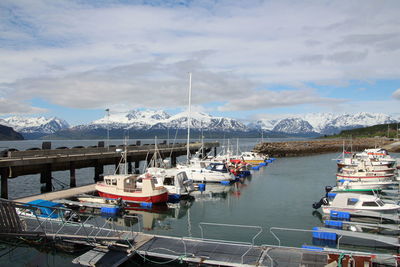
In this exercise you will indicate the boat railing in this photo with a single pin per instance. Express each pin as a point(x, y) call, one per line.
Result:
point(250, 244)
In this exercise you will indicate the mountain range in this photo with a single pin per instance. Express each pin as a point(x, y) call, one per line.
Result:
point(147, 123)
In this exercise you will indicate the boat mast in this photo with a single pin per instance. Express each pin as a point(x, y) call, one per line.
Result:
point(188, 132)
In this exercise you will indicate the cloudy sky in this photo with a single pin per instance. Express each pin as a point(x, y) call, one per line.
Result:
point(250, 59)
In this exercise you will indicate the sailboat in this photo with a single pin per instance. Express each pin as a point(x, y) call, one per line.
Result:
point(175, 181)
point(198, 170)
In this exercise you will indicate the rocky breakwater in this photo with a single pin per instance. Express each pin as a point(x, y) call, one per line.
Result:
point(311, 147)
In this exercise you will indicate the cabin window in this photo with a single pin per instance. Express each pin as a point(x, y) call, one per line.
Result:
point(370, 204)
point(169, 181)
point(351, 201)
point(380, 203)
point(108, 182)
point(139, 180)
point(114, 182)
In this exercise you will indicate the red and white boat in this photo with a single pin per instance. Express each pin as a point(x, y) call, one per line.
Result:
point(124, 186)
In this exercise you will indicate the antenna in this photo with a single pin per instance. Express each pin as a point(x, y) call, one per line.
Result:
point(108, 129)
point(189, 119)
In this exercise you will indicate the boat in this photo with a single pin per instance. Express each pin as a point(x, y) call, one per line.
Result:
point(204, 171)
point(175, 181)
point(355, 202)
point(124, 186)
point(252, 158)
point(360, 186)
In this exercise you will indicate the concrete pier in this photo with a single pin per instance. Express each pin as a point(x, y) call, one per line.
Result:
point(47, 160)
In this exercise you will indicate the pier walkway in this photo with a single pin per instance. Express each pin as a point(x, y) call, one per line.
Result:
point(46, 161)
point(66, 193)
point(113, 244)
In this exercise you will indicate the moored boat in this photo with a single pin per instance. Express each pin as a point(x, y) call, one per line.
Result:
point(354, 202)
point(124, 186)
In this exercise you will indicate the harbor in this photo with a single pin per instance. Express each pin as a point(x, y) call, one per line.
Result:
point(229, 216)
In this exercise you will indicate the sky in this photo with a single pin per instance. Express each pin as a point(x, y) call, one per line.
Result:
point(249, 59)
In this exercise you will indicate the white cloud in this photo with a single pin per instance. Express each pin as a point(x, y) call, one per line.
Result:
point(115, 55)
point(8, 107)
point(266, 99)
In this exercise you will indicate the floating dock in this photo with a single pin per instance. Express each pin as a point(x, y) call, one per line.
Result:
point(60, 194)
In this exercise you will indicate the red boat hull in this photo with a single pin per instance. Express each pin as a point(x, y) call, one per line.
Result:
point(162, 198)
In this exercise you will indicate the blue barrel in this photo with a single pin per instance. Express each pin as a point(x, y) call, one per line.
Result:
point(312, 248)
point(263, 164)
point(256, 168)
point(202, 187)
point(334, 224)
point(323, 235)
point(146, 204)
point(269, 161)
point(340, 215)
point(109, 210)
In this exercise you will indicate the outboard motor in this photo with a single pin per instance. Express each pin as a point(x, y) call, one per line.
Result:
point(328, 189)
point(323, 201)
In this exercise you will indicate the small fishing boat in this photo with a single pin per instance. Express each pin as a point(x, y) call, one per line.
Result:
point(252, 158)
point(360, 186)
point(354, 202)
point(124, 186)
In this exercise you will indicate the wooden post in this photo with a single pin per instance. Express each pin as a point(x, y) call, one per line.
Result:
point(98, 170)
point(137, 164)
point(45, 177)
point(72, 176)
point(173, 160)
point(129, 166)
point(5, 172)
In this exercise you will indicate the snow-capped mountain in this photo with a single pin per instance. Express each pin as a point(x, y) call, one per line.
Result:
point(150, 119)
point(325, 123)
point(35, 125)
point(146, 121)
point(293, 125)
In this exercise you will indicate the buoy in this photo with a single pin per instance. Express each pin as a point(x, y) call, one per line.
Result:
point(202, 187)
point(225, 182)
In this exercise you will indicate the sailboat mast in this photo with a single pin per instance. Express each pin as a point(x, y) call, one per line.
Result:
point(189, 118)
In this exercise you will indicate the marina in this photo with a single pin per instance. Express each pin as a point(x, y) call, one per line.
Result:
point(209, 220)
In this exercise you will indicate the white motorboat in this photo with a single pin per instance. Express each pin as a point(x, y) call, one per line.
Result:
point(355, 202)
point(200, 171)
point(174, 180)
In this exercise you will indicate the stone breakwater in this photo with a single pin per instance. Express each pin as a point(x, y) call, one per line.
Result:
point(311, 147)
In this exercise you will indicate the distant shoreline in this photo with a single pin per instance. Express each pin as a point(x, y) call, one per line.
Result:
point(313, 147)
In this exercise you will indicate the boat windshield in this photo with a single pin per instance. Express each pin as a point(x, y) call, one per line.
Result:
point(380, 202)
point(217, 167)
point(370, 204)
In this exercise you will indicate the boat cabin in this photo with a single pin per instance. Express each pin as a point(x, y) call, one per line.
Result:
point(218, 167)
point(126, 183)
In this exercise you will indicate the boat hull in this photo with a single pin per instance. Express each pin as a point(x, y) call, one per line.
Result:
point(161, 198)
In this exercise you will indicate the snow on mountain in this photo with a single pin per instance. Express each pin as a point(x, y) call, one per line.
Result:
point(151, 119)
point(293, 126)
point(326, 123)
point(35, 125)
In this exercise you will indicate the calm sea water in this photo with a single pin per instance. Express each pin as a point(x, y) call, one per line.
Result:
point(279, 195)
